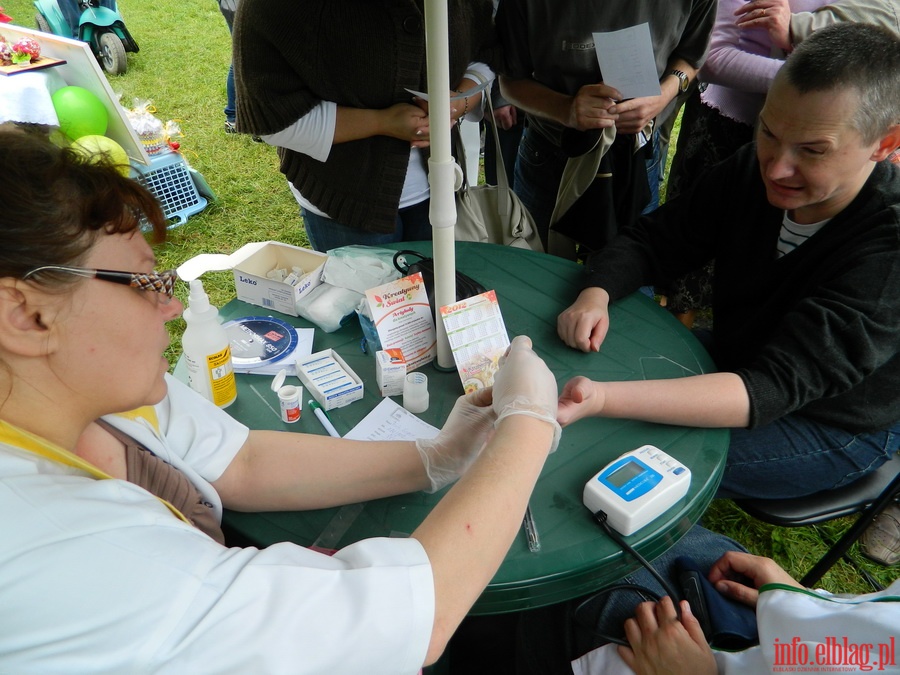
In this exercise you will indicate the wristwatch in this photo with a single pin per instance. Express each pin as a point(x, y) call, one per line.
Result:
point(682, 78)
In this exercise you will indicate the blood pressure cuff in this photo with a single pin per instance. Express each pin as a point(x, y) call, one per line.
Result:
point(726, 624)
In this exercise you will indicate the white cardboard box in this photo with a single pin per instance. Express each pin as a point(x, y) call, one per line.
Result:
point(329, 395)
point(252, 262)
point(390, 371)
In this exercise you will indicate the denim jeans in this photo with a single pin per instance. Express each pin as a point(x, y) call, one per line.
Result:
point(549, 637)
point(539, 169)
point(325, 234)
point(230, 106)
point(794, 456)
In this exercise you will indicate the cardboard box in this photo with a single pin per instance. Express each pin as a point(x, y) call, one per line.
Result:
point(329, 379)
point(390, 371)
point(252, 262)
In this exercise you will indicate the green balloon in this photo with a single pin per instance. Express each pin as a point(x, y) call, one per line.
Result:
point(80, 112)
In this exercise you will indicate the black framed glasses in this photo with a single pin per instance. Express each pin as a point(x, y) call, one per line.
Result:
point(159, 282)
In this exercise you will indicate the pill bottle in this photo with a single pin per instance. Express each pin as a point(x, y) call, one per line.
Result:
point(289, 397)
point(207, 350)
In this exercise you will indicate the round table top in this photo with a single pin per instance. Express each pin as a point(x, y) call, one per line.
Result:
point(576, 557)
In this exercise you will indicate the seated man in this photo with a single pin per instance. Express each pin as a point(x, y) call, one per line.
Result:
point(805, 228)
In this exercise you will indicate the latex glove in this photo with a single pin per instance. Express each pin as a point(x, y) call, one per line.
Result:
point(447, 456)
point(524, 385)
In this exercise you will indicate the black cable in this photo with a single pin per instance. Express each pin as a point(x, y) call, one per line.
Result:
point(601, 518)
point(645, 593)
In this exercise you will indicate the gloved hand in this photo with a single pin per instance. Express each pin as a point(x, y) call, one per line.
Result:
point(467, 429)
point(524, 385)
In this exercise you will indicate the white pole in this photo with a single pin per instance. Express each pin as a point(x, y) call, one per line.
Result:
point(441, 168)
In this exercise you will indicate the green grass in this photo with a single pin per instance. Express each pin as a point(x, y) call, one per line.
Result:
point(181, 67)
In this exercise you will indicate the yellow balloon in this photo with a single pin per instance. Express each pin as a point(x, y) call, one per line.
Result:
point(102, 148)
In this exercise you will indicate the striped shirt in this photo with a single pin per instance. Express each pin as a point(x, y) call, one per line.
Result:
point(793, 234)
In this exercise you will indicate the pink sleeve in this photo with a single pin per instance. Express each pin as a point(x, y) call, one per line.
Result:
point(739, 58)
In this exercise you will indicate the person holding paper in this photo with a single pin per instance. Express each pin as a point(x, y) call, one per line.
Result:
point(551, 71)
point(329, 84)
point(803, 226)
point(114, 517)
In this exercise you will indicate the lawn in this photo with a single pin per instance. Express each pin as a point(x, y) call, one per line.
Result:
point(181, 67)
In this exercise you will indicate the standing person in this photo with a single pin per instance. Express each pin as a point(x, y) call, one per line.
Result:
point(787, 29)
point(804, 227)
point(113, 518)
point(333, 94)
point(551, 72)
point(228, 8)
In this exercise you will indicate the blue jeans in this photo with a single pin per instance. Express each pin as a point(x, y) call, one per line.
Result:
point(539, 169)
point(794, 456)
point(549, 637)
point(325, 234)
point(230, 106)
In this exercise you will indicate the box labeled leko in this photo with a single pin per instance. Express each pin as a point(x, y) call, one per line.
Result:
point(252, 285)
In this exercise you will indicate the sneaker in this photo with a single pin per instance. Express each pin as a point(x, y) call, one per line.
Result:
point(881, 540)
point(230, 128)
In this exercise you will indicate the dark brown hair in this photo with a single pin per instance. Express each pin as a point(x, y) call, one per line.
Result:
point(53, 204)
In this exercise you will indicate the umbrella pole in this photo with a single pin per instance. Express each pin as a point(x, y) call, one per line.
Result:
point(442, 169)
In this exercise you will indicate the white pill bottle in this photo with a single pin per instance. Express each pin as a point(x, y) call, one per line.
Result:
point(207, 350)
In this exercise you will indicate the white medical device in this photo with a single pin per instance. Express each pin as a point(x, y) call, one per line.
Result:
point(636, 488)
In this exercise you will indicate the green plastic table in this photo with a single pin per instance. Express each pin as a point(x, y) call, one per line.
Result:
point(645, 342)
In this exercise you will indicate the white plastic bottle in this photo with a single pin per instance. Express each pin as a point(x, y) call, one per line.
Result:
point(207, 350)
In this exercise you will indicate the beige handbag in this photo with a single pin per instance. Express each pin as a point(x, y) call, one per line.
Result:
point(493, 213)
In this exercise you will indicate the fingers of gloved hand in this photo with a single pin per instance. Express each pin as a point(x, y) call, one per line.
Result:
point(447, 456)
point(524, 385)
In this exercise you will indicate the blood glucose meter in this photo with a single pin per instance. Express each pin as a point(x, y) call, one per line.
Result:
point(636, 488)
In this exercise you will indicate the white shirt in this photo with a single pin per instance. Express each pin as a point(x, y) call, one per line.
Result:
point(98, 576)
point(313, 135)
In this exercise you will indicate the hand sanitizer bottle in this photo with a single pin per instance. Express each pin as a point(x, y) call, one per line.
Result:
point(207, 350)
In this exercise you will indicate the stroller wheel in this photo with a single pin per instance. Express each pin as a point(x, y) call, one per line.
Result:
point(112, 54)
point(42, 24)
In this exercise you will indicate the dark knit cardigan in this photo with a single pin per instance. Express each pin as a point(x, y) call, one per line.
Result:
point(291, 54)
point(816, 332)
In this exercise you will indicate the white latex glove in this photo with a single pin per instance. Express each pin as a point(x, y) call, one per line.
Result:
point(464, 434)
point(524, 385)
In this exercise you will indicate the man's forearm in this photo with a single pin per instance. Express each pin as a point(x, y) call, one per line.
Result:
point(536, 99)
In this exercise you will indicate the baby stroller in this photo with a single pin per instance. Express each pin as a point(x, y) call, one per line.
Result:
point(96, 22)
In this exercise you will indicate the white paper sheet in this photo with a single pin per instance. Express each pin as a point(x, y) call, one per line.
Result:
point(627, 61)
point(389, 421)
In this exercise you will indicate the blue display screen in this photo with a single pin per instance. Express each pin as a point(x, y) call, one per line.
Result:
point(625, 473)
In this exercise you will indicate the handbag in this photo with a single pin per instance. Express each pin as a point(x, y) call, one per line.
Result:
point(492, 213)
point(466, 287)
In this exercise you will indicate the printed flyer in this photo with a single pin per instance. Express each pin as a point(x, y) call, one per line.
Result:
point(402, 317)
point(477, 338)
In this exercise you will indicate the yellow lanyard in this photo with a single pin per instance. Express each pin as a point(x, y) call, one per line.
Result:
point(24, 440)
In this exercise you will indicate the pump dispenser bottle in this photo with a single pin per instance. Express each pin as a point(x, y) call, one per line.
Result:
point(207, 350)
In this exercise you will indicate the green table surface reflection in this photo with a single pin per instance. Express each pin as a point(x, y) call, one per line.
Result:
point(576, 557)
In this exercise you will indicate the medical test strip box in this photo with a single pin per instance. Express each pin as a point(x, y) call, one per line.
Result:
point(390, 371)
point(329, 379)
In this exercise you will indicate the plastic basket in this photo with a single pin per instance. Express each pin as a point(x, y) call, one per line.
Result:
point(169, 178)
